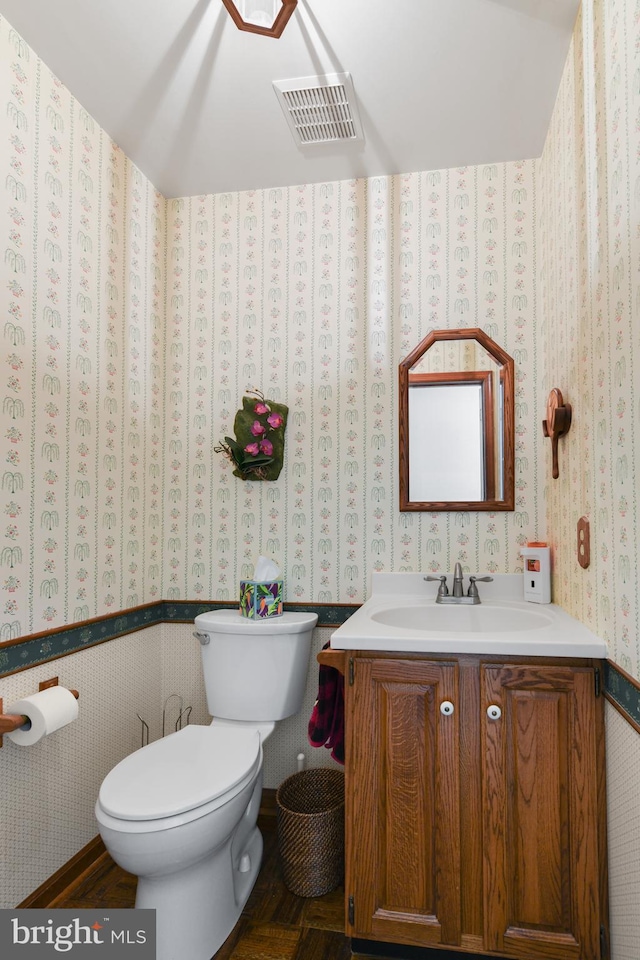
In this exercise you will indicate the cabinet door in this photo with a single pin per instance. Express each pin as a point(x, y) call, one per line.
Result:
point(541, 891)
point(402, 816)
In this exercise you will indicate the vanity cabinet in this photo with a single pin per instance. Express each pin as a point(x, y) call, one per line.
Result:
point(475, 804)
point(402, 802)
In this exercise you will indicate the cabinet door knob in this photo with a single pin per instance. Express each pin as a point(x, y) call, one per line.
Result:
point(494, 712)
point(446, 707)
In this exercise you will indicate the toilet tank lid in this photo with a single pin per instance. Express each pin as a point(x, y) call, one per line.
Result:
point(231, 621)
point(179, 772)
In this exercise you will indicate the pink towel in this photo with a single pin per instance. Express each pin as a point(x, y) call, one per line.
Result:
point(326, 725)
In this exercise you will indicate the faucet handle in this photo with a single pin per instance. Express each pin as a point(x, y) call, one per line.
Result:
point(473, 590)
point(443, 590)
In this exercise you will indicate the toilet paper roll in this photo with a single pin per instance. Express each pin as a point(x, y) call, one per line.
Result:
point(48, 711)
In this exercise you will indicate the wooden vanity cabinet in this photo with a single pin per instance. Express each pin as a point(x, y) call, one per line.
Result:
point(402, 802)
point(482, 833)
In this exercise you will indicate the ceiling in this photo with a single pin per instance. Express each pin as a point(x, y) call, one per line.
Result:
point(189, 97)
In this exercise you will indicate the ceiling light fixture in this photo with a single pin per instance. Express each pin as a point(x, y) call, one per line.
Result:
point(266, 17)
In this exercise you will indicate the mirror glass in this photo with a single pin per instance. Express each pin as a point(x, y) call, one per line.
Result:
point(456, 424)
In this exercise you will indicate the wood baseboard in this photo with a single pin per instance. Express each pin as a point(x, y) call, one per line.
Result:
point(67, 877)
point(61, 884)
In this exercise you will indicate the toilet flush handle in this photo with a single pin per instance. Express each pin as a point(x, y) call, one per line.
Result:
point(204, 638)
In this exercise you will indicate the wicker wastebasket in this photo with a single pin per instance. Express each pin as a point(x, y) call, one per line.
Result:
point(310, 810)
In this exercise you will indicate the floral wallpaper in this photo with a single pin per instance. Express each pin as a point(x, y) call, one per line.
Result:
point(117, 386)
point(589, 282)
point(135, 325)
point(82, 302)
point(314, 294)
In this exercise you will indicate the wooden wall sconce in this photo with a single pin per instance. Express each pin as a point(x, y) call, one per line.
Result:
point(556, 425)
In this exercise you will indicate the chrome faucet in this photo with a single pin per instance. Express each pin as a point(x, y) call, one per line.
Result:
point(457, 581)
point(458, 595)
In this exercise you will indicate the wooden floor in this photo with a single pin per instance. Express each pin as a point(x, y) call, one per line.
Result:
point(275, 924)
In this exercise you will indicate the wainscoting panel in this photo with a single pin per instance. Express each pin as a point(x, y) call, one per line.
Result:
point(48, 790)
point(623, 790)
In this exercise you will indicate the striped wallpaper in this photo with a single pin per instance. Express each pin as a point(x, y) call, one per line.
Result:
point(82, 372)
point(314, 294)
point(136, 324)
point(589, 297)
point(133, 326)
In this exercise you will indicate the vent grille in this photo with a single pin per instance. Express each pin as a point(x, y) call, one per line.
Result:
point(320, 109)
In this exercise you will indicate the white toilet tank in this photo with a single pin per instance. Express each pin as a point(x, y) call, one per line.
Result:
point(254, 669)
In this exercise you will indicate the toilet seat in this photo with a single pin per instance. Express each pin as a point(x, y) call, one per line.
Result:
point(181, 774)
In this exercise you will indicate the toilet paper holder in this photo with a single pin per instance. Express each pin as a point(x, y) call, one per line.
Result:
point(13, 721)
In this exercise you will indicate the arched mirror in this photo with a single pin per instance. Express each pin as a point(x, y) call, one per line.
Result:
point(457, 424)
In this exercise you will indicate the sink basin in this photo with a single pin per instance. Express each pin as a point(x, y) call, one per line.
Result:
point(402, 615)
point(450, 618)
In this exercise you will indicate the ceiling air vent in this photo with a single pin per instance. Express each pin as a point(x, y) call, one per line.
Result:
point(320, 109)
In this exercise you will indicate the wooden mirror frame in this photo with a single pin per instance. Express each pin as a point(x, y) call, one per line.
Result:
point(505, 362)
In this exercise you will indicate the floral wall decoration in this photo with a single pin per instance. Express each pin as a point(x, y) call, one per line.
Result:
point(257, 452)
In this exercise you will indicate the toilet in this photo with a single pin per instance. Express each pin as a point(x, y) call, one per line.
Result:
point(180, 813)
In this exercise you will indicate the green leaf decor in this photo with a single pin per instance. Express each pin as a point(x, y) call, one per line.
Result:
point(257, 452)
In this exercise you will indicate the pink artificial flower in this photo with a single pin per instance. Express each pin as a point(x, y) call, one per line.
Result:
point(274, 420)
point(252, 448)
point(257, 429)
point(266, 447)
point(261, 408)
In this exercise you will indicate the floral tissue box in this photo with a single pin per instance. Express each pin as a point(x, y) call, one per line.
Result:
point(260, 599)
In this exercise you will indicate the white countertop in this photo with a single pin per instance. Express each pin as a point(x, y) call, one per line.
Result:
point(402, 615)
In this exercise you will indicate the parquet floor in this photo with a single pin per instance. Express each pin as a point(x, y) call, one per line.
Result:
point(275, 924)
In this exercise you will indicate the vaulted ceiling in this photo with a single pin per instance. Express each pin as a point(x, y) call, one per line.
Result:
point(190, 98)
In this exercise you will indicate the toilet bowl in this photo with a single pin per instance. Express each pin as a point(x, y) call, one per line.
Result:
point(181, 813)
